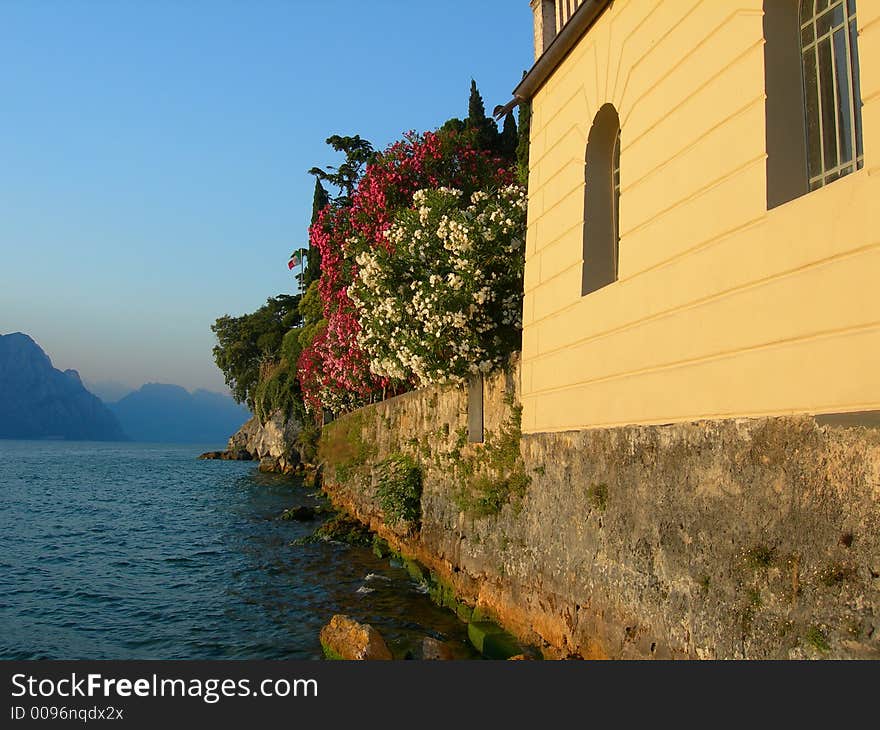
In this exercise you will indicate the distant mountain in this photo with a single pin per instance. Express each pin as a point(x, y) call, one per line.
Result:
point(39, 401)
point(171, 414)
point(108, 390)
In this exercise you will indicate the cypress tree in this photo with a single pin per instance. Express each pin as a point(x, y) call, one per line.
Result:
point(319, 199)
point(522, 147)
point(509, 140)
point(313, 265)
point(485, 130)
point(476, 109)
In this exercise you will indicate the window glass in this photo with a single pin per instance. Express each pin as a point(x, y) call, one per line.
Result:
point(601, 201)
point(831, 89)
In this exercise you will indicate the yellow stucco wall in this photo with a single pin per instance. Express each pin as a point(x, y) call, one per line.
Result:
point(722, 308)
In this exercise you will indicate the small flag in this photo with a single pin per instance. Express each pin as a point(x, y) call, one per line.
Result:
point(294, 261)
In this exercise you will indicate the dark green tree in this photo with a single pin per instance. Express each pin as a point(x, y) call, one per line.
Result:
point(313, 257)
point(246, 345)
point(522, 147)
point(319, 199)
point(484, 129)
point(358, 154)
point(453, 125)
point(509, 139)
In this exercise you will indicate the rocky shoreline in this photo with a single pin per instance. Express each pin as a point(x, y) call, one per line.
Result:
point(271, 443)
point(345, 638)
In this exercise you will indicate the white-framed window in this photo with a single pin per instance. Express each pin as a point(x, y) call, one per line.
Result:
point(832, 98)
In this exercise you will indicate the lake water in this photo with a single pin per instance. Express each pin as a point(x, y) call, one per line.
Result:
point(140, 551)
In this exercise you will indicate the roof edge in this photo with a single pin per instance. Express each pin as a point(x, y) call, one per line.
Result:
point(565, 40)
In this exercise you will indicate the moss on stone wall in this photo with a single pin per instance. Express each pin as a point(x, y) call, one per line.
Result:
point(481, 478)
point(344, 448)
point(399, 488)
point(486, 478)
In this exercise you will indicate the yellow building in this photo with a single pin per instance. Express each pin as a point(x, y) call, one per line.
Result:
point(703, 192)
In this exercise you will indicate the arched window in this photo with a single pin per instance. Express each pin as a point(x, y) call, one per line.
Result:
point(831, 89)
point(601, 201)
point(813, 101)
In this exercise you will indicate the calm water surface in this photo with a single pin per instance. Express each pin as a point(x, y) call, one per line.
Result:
point(139, 551)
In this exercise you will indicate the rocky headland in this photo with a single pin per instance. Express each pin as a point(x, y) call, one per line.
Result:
point(273, 444)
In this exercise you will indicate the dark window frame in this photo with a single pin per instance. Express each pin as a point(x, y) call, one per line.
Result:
point(601, 237)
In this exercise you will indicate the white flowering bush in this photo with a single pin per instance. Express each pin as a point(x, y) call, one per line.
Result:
point(443, 299)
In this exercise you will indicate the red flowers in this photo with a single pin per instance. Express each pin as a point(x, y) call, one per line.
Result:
point(334, 372)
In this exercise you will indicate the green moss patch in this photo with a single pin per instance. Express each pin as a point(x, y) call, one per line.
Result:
point(492, 476)
point(492, 641)
point(340, 528)
point(598, 496)
point(330, 654)
point(344, 448)
point(399, 488)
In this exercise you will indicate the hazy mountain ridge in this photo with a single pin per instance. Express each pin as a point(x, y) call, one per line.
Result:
point(39, 401)
point(109, 391)
point(171, 414)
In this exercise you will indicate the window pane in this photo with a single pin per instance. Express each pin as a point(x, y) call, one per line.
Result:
point(857, 92)
point(811, 92)
point(615, 181)
point(828, 114)
point(831, 19)
point(807, 35)
point(844, 113)
point(806, 10)
point(821, 5)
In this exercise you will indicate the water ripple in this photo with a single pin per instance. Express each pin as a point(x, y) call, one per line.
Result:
point(139, 551)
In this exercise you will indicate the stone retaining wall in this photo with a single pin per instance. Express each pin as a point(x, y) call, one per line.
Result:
point(719, 539)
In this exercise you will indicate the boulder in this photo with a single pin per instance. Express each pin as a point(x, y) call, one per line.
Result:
point(213, 455)
point(276, 438)
point(302, 513)
point(436, 650)
point(345, 638)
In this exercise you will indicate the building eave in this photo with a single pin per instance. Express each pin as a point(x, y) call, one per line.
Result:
point(579, 23)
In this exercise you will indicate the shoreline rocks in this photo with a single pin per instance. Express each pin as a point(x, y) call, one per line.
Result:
point(226, 455)
point(302, 513)
point(345, 638)
point(434, 650)
point(271, 443)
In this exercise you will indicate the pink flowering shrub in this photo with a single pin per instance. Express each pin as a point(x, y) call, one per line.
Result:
point(335, 371)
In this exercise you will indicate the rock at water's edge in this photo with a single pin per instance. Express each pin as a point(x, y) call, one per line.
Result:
point(436, 650)
point(227, 455)
point(302, 513)
point(272, 443)
point(345, 638)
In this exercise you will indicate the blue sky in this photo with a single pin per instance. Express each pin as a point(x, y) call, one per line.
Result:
point(153, 153)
